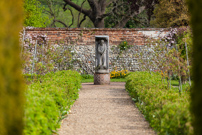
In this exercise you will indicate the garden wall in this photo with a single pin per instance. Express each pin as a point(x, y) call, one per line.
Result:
point(81, 42)
point(86, 36)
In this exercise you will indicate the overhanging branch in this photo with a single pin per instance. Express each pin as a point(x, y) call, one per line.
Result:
point(75, 6)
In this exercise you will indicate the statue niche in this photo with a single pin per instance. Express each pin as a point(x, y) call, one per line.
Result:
point(101, 54)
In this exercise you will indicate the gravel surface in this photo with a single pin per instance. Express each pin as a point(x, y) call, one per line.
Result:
point(104, 110)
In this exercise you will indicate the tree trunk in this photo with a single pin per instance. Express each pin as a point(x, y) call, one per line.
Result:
point(122, 23)
point(183, 78)
point(99, 23)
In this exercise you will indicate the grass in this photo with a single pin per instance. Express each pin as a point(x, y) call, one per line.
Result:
point(118, 80)
point(90, 79)
point(111, 80)
point(175, 85)
point(87, 80)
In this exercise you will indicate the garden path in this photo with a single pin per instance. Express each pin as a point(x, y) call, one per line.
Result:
point(105, 110)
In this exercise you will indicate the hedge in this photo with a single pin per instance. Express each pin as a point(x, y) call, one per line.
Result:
point(167, 110)
point(196, 95)
point(11, 80)
point(48, 101)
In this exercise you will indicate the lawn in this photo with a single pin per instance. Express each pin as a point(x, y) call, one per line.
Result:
point(90, 80)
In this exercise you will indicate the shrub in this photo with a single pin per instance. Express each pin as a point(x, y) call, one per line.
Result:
point(33, 14)
point(167, 110)
point(11, 80)
point(49, 100)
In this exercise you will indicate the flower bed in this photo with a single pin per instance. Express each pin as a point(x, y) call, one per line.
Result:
point(118, 74)
point(49, 100)
point(167, 110)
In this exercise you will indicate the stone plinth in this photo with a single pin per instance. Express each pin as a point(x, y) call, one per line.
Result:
point(101, 79)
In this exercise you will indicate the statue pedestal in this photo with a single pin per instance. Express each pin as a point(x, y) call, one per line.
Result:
point(101, 78)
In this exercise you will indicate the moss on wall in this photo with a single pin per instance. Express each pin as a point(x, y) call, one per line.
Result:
point(11, 82)
point(196, 95)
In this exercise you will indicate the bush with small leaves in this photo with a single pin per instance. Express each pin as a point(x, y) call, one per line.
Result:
point(49, 100)
point(167, 110)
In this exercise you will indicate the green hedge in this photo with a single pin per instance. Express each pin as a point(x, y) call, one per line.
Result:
point(48, 101)
point(166, 110)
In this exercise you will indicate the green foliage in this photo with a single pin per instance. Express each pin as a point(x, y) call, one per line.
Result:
point(49, 100)
point(87, 80)
point(169, 55)
point(11, 80)
point(139, 21)
point(87, 76)
point(124, 46)
point(33, 14)
point(166, 110)
point(172, 13)
point(184, 35)
point(196, 95)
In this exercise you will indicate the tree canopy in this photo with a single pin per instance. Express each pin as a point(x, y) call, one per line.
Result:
point(106, 13)
point(95, 12)
point(171, 13)
point(33, 14)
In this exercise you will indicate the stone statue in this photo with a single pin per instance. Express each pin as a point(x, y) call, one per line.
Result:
point(101, 54)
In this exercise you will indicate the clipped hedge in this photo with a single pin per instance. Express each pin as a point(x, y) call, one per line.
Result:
point(48, 101)
point(11, 80)
point(166, 110)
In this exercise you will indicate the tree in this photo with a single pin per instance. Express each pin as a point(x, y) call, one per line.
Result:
point(171, 13)
point(196, 94)
point(142, 19)
point(98, 10)
point(11, 80)
point(68, 17)
point(33, 14)
point(125, 9)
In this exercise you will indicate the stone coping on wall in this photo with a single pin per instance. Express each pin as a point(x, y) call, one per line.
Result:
point(95, 29)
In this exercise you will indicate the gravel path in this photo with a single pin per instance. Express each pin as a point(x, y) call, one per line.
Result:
point(104, 110)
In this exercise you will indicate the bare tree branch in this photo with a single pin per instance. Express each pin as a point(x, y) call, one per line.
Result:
point(75, 6)
point(84, 18)
point(78, 24)
point(53, 14)
point(72, 17)
point(125, 19)
point(113, 1)
point(60, 22)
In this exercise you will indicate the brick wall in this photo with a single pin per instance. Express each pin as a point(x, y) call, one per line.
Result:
point(81, 42)
point(86, 36)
